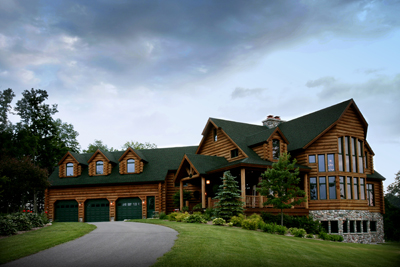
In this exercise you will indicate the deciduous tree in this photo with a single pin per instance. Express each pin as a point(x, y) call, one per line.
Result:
point(393, 191)
point(137, 145)
point(98, 144)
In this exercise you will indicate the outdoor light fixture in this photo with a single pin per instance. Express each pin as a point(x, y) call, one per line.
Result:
point(207, 181)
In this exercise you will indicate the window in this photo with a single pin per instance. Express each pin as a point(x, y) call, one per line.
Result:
point(342, 187)
point(313, 188)
point(347, 151)
point(322, 187)
point(349, 194)
point(321, 163)
point(234, 153)
point(275, 149)
point(366, 160)
point(358, 223)
point(372, 226)
point(99, 167)
point(355, 186)
point(370, 195)
point(353, 155)
point(70, 169)
point(332, 187)
point(360, 157)
point(311, 158)
point(215, 135)
point(331, 162)
point(334, 227)
point(340, 150)
point(325, 225)
point(365, 227)
point(351, 226)
point(345, 226)
point(362, 188)
point(130, 165)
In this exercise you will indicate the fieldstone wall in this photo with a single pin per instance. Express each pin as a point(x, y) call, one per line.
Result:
point(341, 216)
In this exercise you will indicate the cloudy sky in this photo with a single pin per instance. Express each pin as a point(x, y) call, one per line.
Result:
point(155, 71)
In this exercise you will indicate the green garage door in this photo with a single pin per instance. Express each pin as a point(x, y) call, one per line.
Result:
point(129, 208)
point(66, 211)
point(97, 210)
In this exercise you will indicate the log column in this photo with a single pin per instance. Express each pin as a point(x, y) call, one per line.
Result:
point(181, 195)
point(203, 192)
point(243, 184)
point(306, 189)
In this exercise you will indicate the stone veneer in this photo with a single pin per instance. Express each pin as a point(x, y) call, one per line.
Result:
point(353, 215)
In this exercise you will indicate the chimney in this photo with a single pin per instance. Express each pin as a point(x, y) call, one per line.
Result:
point(271, 121)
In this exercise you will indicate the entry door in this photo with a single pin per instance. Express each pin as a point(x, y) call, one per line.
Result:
point(150, 207)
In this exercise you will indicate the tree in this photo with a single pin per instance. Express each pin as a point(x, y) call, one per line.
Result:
point(393, 191)
point(279, 184)
point(228, 195)
point(137, 145)
point(98, 144)
point(391, 220)
point(67, 136)
point(6, 98)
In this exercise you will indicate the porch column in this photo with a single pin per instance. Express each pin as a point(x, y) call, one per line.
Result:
point(243, 184)
point(203, 192)
point(306, 189)
point(181, 195)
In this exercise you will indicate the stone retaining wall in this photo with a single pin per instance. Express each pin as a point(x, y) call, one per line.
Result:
point(362, 236)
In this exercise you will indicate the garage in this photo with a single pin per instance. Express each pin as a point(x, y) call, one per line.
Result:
point(97, 210)
point(66, 211)
point(129, 208)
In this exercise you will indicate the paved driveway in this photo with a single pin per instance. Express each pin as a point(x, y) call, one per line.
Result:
point(111, 244)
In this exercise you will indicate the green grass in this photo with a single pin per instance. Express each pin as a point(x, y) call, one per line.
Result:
point(18, 246)
point(209, 245)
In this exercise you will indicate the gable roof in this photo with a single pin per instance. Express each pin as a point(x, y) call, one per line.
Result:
point(137, 152)
point(160, 161)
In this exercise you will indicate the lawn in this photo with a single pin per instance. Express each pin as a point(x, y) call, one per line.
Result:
point(209, 245)
point(18, 246)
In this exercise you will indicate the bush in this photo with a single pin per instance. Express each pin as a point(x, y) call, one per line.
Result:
point(281, 230)
point(163, 216)
point(269, 228)
point(185, 208)
point(35, 219)
point(237, 220)
point(198, 207)
point(22, 221)
point(250, 224)
point(7, 226)
point(230, 224)
point(209, 213)
point(181, 216)
point(195, 218)
point(309, 236)
point(218, 221)
point(258, 218)
point(172, 216)
point(307, 223)
point(300, 233)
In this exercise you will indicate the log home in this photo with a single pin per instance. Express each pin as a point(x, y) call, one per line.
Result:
point(343, 190)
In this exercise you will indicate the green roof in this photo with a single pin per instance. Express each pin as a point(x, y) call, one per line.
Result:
point(159, 162)
point(375, 175)
point(204, 164)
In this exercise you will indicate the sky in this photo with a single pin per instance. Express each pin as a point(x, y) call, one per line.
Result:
point(155, 71)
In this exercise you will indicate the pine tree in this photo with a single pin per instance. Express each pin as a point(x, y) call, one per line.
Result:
point(229, 197)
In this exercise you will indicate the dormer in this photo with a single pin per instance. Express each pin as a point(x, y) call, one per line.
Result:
point(131, 162)
point(69, 166)
point(100, 163)
point(273, 145)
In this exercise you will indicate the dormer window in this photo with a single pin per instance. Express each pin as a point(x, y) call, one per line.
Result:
point(215, 135)
point(234, 153)
point(275, 149)
point(99, 167)
point(70, 169)
point(130, 165)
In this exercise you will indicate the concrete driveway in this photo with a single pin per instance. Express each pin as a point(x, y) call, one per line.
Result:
point(111, 244)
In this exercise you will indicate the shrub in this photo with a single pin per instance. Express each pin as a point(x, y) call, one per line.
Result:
point(22, 221)
point(218, 221)
point(163, 216)
point(194, 218)
point(181, 216)
point(237, 220)
point(300, 233)
point(208, 214)
point(307, 223)
point(309, 236)
point(230, 224)
point(198, 207)
point(281, 230)
point(7, 225)
point(258, 218)
point(35, 219)
point(250, 224)
point(172, 216)
point(185, 208)
point(269, 228)
point(337, 238)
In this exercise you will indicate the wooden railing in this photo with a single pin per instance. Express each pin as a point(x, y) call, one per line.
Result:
point(257, 202)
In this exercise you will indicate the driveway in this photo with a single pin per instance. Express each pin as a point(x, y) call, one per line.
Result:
point(111, 244)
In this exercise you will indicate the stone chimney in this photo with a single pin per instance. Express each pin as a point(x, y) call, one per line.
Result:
point(271, 121)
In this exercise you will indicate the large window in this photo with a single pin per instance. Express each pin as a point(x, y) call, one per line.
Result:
point(99, 167)
point(353, 155)
point(349, 194)
point(362, 188)
point(342, 187)
point(322, 187)
point(70, 169)
point(275, 149)
point(313, 188)
point(347, 151)
point(360, 156)
point(370, 195)
point(331, 162)
point(340, 150)
point(332, 187)
point(355, 186)
point(130, 165)
point(321, 163)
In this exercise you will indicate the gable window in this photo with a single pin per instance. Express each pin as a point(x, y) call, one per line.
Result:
point(353, 155)
point(311, 159)
point(366, 160)
point(340, 150)
point(275, 149)
point(355, 186)
point(321, 163)
point(370, 195)
point(70, 169)
point(313, 188)
point(130, 165)
point(362, 188)
point(331, 162)
point(215, 135)
point(99, 167)
point(347, 151)
point(332, 187)
point(234, 153)
point(360, 157)
point(342, 187)
point(322, 187)
point(349, 194)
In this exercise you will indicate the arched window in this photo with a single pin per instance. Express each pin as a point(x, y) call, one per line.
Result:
point(130, 165)
point(275, 149)
point(99, 167)
point(70, 169)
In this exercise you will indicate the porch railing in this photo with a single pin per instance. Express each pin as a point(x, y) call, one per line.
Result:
point(257, 202)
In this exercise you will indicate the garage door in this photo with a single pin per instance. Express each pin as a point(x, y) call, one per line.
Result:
point(129, 208)
point(97, 210)
point(66, 211)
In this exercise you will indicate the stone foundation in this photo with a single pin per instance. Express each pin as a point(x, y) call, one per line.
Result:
point(356, 220)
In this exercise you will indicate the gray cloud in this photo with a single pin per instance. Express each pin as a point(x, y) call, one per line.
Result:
point(324, 81)
point(240, 92)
